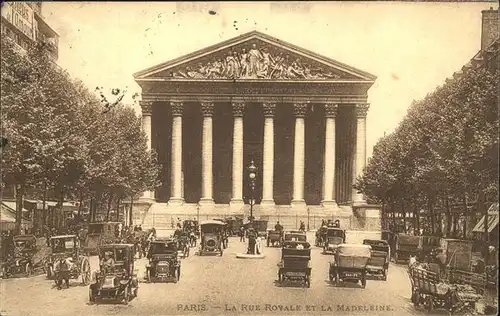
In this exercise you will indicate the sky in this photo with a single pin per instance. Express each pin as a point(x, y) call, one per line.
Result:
point(411, 47)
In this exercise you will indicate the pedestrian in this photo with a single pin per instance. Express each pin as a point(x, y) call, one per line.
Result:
point(242, 233)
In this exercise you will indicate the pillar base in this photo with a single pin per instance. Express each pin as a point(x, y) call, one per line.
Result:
point(175, 201)
point(206, 202)
point(329, 204)
point(267, 203)
point(236, 203)
point(298, 203)
point(358, 199)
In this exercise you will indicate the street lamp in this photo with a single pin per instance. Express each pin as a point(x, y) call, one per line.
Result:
point(252, 175)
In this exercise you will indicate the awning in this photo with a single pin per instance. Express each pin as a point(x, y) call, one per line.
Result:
point(492, 220)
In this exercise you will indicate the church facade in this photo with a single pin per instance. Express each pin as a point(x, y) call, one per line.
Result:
point(300, 117)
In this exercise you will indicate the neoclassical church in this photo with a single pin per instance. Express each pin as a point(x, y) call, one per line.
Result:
point(300, 117)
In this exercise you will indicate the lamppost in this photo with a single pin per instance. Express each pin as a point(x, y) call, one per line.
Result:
point(252, 174)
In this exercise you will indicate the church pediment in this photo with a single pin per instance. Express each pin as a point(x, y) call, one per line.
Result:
point(254, 56)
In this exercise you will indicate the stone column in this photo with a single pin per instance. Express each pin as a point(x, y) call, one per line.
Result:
point(176, 182)
point(207, 109)
point(299, 110)
point(237, 194)
point(360, 156)
point(329, 163)
point(146, 106)
point(268, 165)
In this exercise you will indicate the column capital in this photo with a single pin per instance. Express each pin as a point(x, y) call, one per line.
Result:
point(207, 108)
point(176, 108)
point(238, 108)
point(300, 109)
point(269, 108)
point(362, 110)
point(331, 110)
point(146, 107)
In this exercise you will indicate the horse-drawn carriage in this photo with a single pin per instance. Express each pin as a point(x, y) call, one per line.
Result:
point(275, 237)
point(405, 246)
point(295, 262)
point(429, 290)
point(332, 238)
point(320, 236)
point(349, 264)
point(212, 236)
point(21, 261)
point(163, 261)
point(233, 225)
point(116, 279)
point(260, 226)
point(380, 256)
point(66, 248)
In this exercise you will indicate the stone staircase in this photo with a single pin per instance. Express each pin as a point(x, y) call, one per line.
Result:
point(162, 216)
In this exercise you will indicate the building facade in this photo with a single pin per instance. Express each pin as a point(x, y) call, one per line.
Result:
point(300, 117)
point(24, 23)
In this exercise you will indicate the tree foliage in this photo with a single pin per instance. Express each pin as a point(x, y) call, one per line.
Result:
point(62, 138)
point(444, 151)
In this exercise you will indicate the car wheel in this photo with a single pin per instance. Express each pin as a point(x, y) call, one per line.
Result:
point(178, 273)
point(385, 274)
point(337, 279)
point(126, 296)
point(363, 281)
point(396, 257)
point(148, 276)
point(29, 269)
point(50, 272)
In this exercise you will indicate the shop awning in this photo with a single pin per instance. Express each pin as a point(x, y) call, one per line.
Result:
point(492, 220)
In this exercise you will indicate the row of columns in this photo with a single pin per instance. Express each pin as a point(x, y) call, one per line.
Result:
point(300, 110)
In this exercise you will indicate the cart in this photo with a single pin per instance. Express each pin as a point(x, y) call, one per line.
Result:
point(294, 265)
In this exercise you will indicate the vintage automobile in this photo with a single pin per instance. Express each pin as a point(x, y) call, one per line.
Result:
point(295, 262)
point(21, 261)
point(68, 247)
point(101, 233)
point(211, 237)
point(405, 246)
point(164, 264)
point(274, 237)
point(115, 280)
point(320, 236)
point(380, 257)
point(349, 264)
point(294, 235)
point(333, 238)
point(260, 226)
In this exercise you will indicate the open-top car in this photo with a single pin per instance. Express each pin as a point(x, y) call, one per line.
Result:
point(164, 264)
point(380, 257)
point(294, 235)
point(349, 263)
point(116, 280)
point(67, 248)
point(21, 261)
point(332, 238)
point(212, 235)
point(295, 262)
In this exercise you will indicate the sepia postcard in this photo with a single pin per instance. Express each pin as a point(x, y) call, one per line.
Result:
point(249, 158)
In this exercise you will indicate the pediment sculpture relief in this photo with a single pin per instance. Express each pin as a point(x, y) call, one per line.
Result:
point(254, 64)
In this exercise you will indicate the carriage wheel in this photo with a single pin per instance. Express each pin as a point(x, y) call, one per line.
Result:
point(85, 271)
point(430, 303)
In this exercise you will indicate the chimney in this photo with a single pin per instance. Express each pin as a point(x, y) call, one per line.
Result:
point(489, 31)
